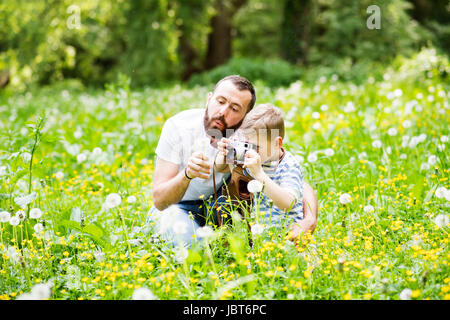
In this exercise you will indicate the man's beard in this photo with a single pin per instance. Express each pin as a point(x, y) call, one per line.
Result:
point(213, 131)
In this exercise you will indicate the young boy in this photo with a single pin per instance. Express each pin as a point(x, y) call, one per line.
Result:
point(283, 177)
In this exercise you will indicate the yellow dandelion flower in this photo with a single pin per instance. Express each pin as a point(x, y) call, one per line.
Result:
point(415, 293)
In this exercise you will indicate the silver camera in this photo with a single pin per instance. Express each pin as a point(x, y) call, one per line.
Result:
point(237, 150)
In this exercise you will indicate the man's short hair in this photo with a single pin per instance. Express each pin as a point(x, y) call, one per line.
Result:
point(264, 117)
point(242, 84)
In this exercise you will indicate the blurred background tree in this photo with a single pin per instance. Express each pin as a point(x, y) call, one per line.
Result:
point(159, 42)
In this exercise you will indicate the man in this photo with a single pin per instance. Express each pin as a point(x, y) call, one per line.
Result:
point(183, 167)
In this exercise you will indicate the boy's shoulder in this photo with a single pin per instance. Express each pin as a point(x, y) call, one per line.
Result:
point(289, 161)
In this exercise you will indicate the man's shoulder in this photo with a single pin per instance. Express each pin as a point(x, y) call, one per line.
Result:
point(187, 118)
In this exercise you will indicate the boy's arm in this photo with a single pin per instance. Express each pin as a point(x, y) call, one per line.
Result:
point(280, 196)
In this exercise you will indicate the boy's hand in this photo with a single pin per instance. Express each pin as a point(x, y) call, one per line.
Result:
point(222, 146)
point(252, 161)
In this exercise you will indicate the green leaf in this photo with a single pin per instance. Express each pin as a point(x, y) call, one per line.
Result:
point(92, 230)
point(193, 257)
point(430, 194)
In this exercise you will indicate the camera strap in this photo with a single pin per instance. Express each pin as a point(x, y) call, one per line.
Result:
point(219, 217)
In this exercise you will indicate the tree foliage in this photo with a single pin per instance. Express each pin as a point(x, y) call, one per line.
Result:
point(158, 41)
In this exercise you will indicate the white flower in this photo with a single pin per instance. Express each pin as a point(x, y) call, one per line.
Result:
point(26, 296)
point(443, 139)
point(316, 115)
point(180, 227)
point(181, 254)
point(392, 132)
point(38, 228)
point(205, 232)
point(362, 155)
point(14, 221)
point(424, 166)
point(2, 170)
point(406, 294)
point(406, 124)
point(35, 213)
point(143, 294)
point(112, 200)
point(81, 157)
point(257, 228)
point(368, 209)
point(254, 186)
point(345, 198)
point(403, 156)
point(5, 216)
point(441, 220)
point(413, 142)
point(388, 150)
point(432, 160)
point(99, 256)
point(41, 291)
point(21, 215)
point(59, 175)
point(440, 192)
point(324, 107)
point(350, 107)
point(329, 152)
point(422, 137)
point(96, 151)
point(316, 126)
point(12, 254)
point(77, 134)
point(377, 144)
point(131, 199)
point(26, 157)
point(312, 157)
point(23, 201)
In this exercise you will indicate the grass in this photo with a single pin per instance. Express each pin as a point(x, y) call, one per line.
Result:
point(383, 241)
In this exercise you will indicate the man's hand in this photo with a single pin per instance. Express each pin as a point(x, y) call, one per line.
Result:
point(198, 166)
point(252, 161)
point(310, 208)
point(295, 233)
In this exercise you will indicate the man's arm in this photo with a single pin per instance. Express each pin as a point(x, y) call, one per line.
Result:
point(169, 185)
point(310, 209)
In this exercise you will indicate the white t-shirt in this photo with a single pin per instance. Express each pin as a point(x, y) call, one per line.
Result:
point(182, 135)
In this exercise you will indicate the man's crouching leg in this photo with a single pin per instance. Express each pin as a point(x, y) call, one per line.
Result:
point(173, 225)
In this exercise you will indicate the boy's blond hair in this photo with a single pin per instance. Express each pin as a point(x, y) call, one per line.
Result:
point(264, 117)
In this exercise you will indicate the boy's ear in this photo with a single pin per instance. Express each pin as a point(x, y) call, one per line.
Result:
point(279, 141)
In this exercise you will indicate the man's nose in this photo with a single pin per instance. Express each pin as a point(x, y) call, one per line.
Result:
point(223, 109)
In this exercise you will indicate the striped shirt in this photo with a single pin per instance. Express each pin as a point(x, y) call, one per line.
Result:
point(288, 175)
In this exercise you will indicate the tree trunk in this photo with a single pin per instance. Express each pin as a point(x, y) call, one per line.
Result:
point(219, 40)
point(295, 30)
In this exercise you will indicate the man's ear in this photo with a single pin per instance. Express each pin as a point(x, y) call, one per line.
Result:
point(210, 94)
